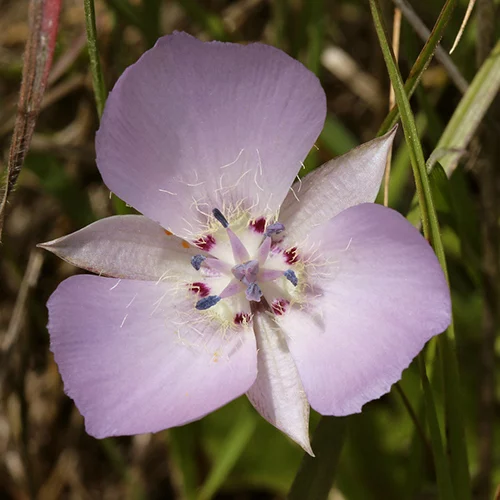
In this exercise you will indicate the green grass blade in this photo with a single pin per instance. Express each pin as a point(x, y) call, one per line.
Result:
point(182, 447)
point(315, 34)
point(469, 113)
point(449, 366)
point(233, 446)
point(95, 64)
point(421, 64)
point(409, 127)
point(440, 462)
point(280, 21)
point(316, 474)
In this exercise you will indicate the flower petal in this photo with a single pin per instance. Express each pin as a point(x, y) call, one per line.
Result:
point(193, 126)
point(136, 357)
point(277, 394)
point(125, 246)
point(341, 183)
point(377, 295)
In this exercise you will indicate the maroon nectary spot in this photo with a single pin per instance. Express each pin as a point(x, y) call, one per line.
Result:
point(258, 225)
point(205, 243)
point(241, 318)
point(279, 306)
point(291, 255)
point(200, 288)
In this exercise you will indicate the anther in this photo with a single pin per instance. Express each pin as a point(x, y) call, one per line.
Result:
point(218, 215)
point(253, 292)
point(196, 261)
point(207, 302)
point(291, 277)
point(275, 228)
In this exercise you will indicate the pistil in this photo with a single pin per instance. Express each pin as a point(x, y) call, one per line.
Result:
point(246, 272)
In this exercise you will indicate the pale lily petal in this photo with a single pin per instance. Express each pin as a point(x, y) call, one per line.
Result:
point(136, 357)
point(377, 295)
point(341, 183)
point(126, 246)
point(277, 394)
point(193, 126)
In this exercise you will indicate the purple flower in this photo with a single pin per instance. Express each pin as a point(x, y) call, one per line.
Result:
point(233, 282)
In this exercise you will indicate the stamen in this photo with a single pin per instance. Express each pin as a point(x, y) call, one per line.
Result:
point(197, 260)
point(207, 302)
point(275, 228)
point(253, 292)
point(291, 277)
point(263, 252)
point(240, 253)
point(218, 215)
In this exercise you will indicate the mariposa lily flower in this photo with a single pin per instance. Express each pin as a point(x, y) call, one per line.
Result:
point(233, 281)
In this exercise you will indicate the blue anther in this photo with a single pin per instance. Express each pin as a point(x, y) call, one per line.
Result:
point(196, 261)
point(275, 228)
point(218, 215)
point(291, 277)
point(253, 292)
point(207, 302)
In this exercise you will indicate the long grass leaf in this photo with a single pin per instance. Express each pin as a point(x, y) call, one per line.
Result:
point(469, 113)
point(233, 446)
point(441, 463)
point(421, 64)
point(449, 366)
point(315, 477)
point(95, 63)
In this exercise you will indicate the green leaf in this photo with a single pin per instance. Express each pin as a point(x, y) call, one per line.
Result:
point(440, 189)
point(182, 447)
point(315, 33)
point(440, 461)
point(95, 64)
point(469, 113)
point(421, 63)
point(232, 448)
point(466, 216)
point(448, 362)
point(316, 474)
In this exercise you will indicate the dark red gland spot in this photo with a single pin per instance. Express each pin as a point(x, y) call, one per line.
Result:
point(291, 255)
point(242, 318)
point(279, 306)
point(258, 225)
point(200, 288)
point(205, 242)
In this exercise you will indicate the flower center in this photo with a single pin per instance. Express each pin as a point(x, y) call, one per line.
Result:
point(249, 261)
